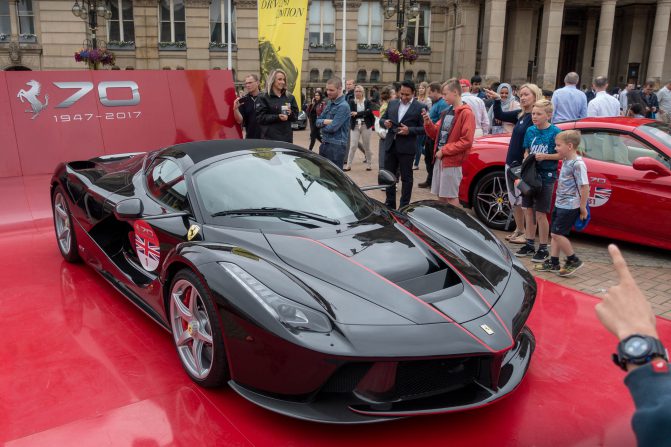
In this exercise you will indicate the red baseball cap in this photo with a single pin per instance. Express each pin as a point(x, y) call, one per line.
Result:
point(465, 82)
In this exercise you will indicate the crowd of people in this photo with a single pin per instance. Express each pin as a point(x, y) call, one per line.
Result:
point(441, 120)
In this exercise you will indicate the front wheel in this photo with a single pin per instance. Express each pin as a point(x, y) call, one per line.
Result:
point(490, 201)
point(196, 331)
point(65, 233)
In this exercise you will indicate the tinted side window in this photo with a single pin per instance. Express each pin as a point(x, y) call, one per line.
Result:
point(165, 182)
point(616, 148)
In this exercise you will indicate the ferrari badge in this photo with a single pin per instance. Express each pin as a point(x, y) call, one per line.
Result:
point(487, 329)
point(193, 231)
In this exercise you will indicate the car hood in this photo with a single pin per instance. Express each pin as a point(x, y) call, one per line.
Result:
point(415, 277)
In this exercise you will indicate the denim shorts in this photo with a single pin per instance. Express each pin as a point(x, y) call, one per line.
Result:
point(563, 220)
point(541, 200)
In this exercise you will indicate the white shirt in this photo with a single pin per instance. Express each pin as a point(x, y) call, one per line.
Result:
point(664, 98)
point(624, 100)
point(477, 105)
point(603, 105)
point(402, 108)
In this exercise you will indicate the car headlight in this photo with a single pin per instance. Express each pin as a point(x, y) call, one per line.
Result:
point(302, 116)
point(289, 313)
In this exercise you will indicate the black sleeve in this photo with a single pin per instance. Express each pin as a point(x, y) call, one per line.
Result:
point(264, 114)
point(507, 117)
point(294, 109)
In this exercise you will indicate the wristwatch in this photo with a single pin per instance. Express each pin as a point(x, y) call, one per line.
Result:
point(638, 350)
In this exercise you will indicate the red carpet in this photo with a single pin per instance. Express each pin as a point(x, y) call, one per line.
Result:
point(82, 366)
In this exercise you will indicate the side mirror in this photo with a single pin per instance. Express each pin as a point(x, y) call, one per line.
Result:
point(128, 209)
point(386, 178)
point(650, 164)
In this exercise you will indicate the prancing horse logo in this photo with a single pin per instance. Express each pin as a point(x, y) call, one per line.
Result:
point(31, 96)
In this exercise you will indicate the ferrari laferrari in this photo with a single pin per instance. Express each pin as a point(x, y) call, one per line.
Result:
point(277, 275)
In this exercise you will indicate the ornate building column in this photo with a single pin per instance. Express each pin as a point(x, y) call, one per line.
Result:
point(518, 44)
point(586, 74)
point(197, 15)
point(466, 42)
point(605, 38)
point(493, 36)
point(660, 38)
point(145, 18)
point(548, 54)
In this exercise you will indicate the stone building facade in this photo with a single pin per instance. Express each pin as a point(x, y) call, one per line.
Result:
point(512, 40)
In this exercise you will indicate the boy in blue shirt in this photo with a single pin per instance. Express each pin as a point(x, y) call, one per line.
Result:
point(570, 202)
point(539, 140)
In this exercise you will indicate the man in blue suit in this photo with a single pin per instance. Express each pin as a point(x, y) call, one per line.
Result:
point(403, 118)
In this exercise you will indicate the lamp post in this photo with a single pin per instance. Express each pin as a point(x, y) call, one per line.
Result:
point(89, 11)
point(400, 10)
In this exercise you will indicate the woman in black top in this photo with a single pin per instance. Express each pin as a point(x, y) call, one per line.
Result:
point(529, 94)
point(276, 109)
point(314, 110)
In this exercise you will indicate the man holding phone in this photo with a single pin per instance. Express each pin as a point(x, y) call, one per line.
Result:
point(403, 119)
point(244, 108)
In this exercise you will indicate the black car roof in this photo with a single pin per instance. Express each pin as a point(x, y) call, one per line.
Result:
point(198, 151)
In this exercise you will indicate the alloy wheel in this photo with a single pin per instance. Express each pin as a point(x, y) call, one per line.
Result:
point(191, 329)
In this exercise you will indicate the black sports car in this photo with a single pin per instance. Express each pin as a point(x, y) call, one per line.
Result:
point(276, 274)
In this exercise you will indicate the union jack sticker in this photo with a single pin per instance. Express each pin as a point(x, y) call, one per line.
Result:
point(147, 246)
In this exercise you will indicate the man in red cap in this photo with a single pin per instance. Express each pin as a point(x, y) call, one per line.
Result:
point(482, 124)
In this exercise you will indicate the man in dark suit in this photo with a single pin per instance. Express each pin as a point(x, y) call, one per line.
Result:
point(403, 118)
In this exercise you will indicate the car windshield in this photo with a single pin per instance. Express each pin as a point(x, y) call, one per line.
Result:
point(266, 185)
point(659, 132)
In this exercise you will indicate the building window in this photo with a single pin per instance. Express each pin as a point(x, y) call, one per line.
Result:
point(219, 21)
point(120, 27)
point(408, 75)
point(26, 19)
point(328, 74)
point(419, 28)
point(322, 24)
point(314, 75)
point(375, 76)
point(173, 23)
point(361, 76)
point(421, 76)
point(370, 23)
point(5, 24)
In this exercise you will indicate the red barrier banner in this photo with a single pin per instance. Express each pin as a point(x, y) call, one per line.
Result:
point(49, 117)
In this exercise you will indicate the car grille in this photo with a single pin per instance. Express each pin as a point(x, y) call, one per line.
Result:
point(423, 378)
point(412, 379)
point(346, 378)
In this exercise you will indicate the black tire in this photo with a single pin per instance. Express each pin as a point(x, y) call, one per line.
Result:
point(65, 234)
point(490, 201)
point(191, 324)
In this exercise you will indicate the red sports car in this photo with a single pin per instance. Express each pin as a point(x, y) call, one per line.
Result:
point(629, 166)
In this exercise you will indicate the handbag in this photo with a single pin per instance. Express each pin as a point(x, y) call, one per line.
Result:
point(381, 131)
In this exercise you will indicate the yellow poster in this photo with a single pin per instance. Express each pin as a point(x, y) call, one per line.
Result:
point(281, 37)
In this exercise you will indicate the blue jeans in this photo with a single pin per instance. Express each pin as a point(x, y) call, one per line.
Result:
point(334, 152)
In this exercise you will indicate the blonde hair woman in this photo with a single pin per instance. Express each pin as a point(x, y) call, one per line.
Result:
point(360, 127)
point(423, 97)
point(529, 94)
point(276, 109)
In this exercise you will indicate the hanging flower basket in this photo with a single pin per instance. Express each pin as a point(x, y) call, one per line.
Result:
point(93, 57)
point(393, 55)
point(408, 54)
